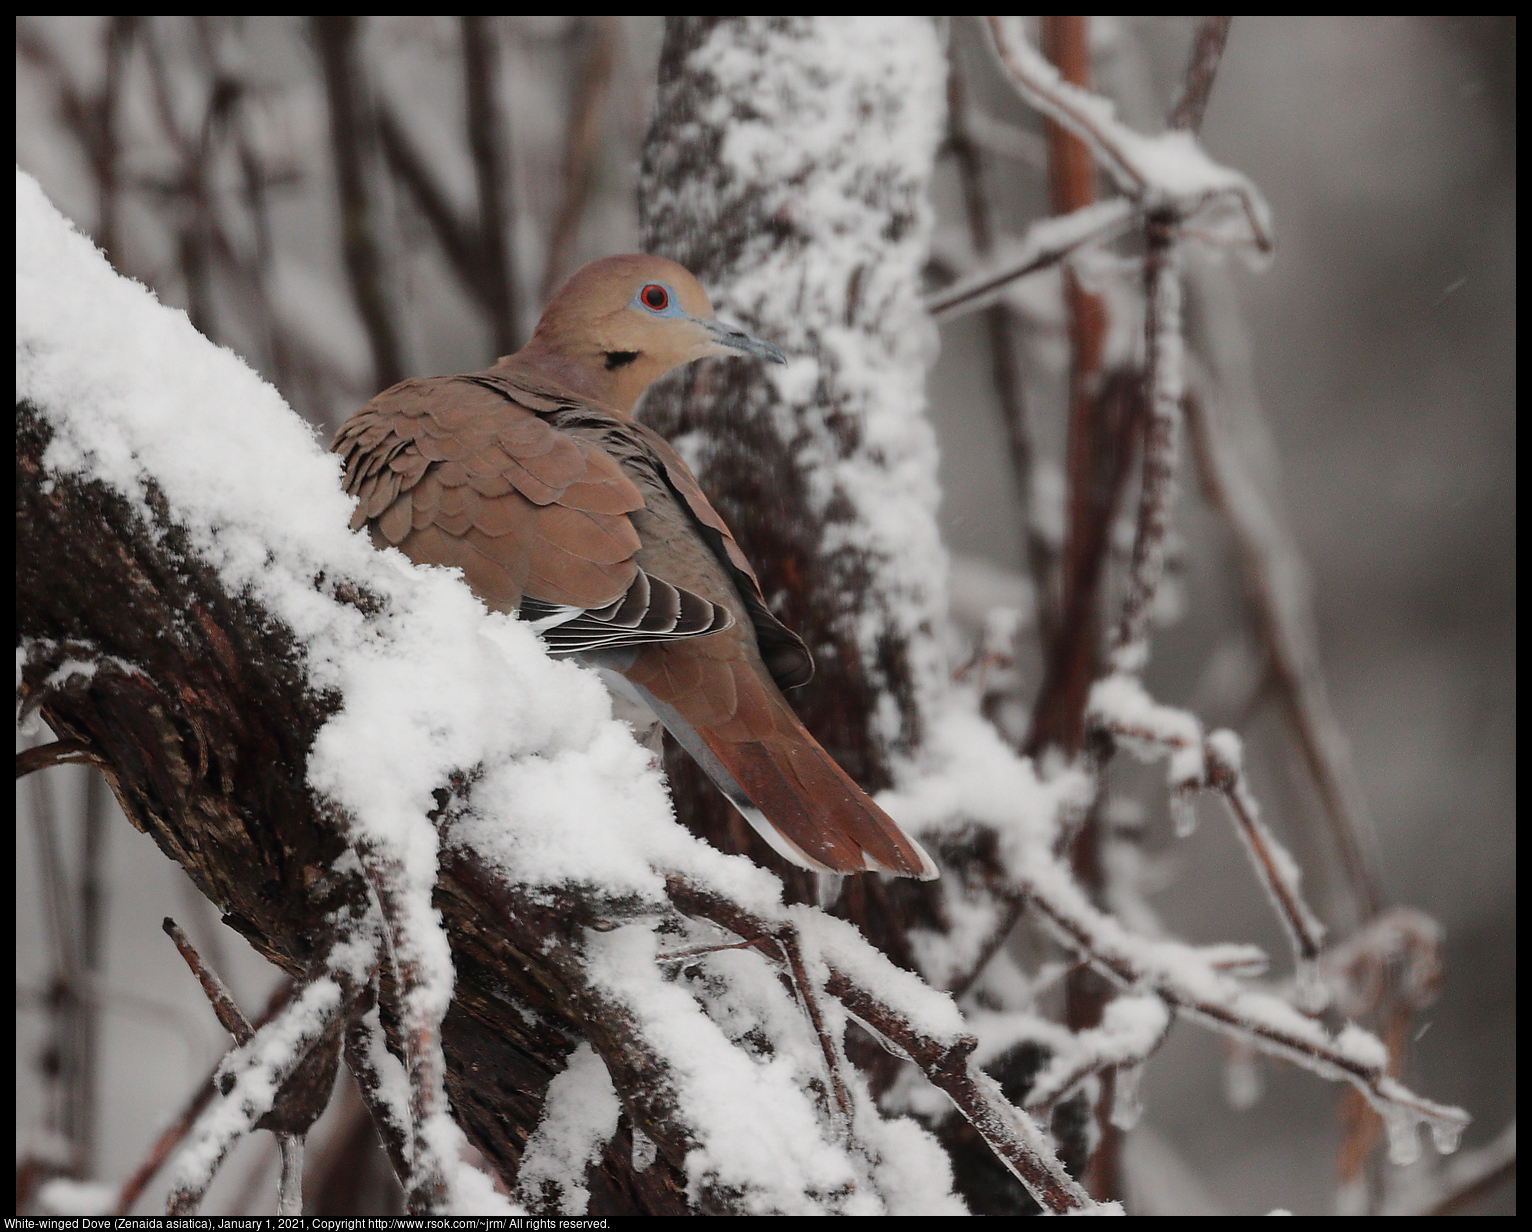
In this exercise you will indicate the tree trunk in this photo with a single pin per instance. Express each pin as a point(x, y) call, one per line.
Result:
point(788, 166)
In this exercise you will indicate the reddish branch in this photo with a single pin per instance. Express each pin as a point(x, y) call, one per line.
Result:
point(1201, 69)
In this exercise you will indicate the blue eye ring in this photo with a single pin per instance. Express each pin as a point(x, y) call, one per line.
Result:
point(654, 297)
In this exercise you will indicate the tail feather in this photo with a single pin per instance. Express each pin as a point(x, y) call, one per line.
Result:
point(792, 792)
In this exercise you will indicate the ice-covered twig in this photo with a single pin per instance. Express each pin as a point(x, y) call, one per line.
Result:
point(1045, 244)
point(252, 1077)
point(1131, 1029)
point(176, 1131)
point(943, 1056)
point(788, 944)
point(1203, 994)
point(1168, 173)
point(1119, 706)
point(1275, 575)
point(384, 1086)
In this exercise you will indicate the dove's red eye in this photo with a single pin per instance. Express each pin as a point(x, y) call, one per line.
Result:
point(655, 297)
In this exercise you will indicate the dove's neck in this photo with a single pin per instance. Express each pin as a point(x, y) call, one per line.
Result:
point(613, 378)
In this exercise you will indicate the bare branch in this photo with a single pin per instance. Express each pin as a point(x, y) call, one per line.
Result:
point(459, 237)
point(488, 145)
point(1277, 582)
point(259, 1069)
point(218, 995)
point(580, 148)
point(1002, 326)
point(336, 39)
point(56, 753)
point(1045, 245)
point(1264, 1021)
point(1201, 68)
point(174, 1133)
point(1162, 378)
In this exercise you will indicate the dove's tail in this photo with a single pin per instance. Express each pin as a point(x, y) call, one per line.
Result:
point(736, 724)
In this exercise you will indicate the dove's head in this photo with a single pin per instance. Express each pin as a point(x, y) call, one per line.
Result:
point(622, 322)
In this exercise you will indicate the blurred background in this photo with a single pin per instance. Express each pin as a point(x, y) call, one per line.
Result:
point(202, 154)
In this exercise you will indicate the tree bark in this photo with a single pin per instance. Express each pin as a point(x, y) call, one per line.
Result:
point(835, 285)
point(201, 718)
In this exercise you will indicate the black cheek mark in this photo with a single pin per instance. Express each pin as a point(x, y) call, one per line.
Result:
point(619, 359)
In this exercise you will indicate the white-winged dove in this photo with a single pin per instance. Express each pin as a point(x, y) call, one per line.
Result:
point(533, 478)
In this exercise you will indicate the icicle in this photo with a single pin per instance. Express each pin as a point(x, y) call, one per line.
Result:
point(1183, 812)
point(1310, 992)
point(1127, 1105)
point(1403, 1141)
point(1445, 1135)
point(1243, 1082)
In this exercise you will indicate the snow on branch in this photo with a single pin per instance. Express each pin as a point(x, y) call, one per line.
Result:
point(464, 796)
point(1168, 173)
point(1120, 706)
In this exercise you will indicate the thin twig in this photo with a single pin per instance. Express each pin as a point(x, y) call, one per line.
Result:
point(55, 753)
point(458, 236)
point(489, 146)
point(1163, 380)
point(1210, 762)
point(1064, 104)
point(1056, 1083)
point(1091, 936)
point(1127, 155)
point(336, 38)
point(1000, 321)
point(259, 1071)
point(786, 940)
point(580, 148)
point(1201, 69)
point(1277, 582)
point(92, 118)
point(699, 951)
point(172, 1135)
point(1045, 245)
point(217, 992)
point(190, 183)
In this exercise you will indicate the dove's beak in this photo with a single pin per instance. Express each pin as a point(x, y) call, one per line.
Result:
point(742, 343)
